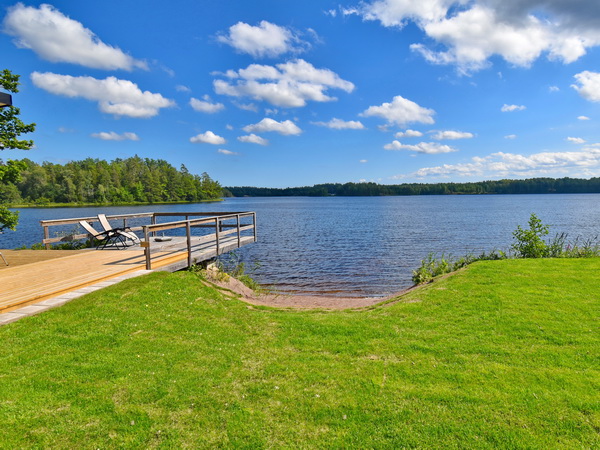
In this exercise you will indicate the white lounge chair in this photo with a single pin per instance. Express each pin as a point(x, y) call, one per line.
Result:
point(125, 232)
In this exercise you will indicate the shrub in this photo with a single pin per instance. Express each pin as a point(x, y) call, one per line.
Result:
point(529, 242)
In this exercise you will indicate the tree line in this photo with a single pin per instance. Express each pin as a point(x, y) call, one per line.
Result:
point(121, 181)
point(525, 186)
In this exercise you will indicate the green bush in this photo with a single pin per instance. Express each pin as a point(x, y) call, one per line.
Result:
point(529, 242)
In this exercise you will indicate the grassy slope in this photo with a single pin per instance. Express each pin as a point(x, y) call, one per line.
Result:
point(502, 354)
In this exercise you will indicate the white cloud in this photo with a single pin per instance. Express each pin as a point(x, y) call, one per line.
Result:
point(474, 31)
point(264, 40)
point(401, 111)
point(287, 127)
point(510, 108)
point(114, 96)
point(338, 124)
point(246, 106)
point(588, 85)
point(253, 139)
point(182, 88)
point(451, 135)
point(583, 118)
point(208, 138)
point(57, 38)
point(112, 136)
point(554, 89)
point(584, 163)
point(408, 133)
point(227, 152)
point(287, 85)
point(430, 148)
point(363, 161)
point(510, 136)
point(206, 107)
point(576, 140)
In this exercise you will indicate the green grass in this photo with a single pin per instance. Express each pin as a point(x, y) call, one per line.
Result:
point(501, 354)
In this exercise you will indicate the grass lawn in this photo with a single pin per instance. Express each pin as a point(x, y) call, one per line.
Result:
point(502, 354)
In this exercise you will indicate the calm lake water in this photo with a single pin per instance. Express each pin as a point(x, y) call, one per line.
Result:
point(362, 246)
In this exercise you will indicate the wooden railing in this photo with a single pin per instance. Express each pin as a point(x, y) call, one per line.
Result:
point(215, 220)
point(46, 224)
point(220, 221)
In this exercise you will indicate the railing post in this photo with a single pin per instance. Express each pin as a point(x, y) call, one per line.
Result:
point(239, 233)
point(47, 236)
point(188, 232)
point(153, 222)
point(254, 224)
point(147, 248)
point(217, 235)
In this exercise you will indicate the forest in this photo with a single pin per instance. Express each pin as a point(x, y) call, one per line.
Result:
point(122, 181)
point(525, 186)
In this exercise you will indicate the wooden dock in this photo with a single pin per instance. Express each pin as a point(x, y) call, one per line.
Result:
point(31, 279)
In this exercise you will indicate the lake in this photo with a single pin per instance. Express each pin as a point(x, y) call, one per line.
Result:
point(362, 246)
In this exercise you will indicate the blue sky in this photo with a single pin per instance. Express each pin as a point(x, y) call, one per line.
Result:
point(285, 93)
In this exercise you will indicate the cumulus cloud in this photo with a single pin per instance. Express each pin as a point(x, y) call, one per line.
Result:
point(554, 89)
point(208, 138)
point(287, 85)
point(265, 39)
point(339, 124)
point(408, 133)
point(253, 139)
point(430, 148)
point(510, 108)
point(222, 151)
point(583, 118)
point(57, 38)
point(182, 88)
point(114, 96)
point(588, 85)
point(112, 136)
point(471, 32)
point(584, 163)
point(287, 127)
point(576, 140)
point(206, 106)
point(401, 111)
point(451, 135)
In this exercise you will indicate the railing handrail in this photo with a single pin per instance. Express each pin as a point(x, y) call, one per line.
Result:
point(55, 222)
point(182, 223)
point(215, 221)
point(208, 220)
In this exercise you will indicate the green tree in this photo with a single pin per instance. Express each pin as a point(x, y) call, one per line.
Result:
point(10, 173)
point(11, 127)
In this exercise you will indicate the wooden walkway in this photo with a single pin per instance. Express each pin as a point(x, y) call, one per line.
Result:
point(26, 284)
point(37, 275)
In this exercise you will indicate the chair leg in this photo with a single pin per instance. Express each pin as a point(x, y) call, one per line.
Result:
point(3, 258)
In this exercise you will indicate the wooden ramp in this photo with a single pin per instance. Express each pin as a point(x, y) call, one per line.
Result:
point(22, 285)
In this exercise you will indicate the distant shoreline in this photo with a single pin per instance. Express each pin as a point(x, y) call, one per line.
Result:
point(368, 189)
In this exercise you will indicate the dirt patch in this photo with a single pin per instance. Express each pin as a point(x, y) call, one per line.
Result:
point(294, 301)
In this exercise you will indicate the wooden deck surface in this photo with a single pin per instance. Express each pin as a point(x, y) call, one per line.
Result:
point(24, 284)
